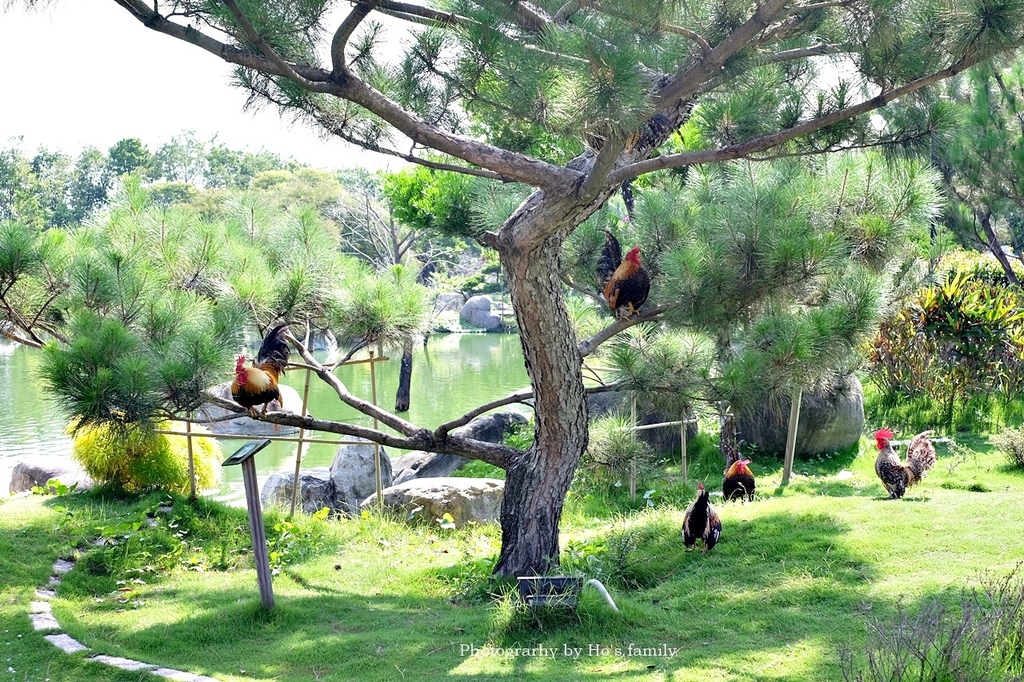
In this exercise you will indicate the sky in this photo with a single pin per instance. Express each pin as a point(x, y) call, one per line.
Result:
point(85, 73)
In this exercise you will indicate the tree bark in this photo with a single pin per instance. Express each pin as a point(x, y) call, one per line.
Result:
point(404, 378)
point(538, 479)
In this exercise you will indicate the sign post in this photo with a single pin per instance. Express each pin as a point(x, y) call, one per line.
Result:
point(244, 456)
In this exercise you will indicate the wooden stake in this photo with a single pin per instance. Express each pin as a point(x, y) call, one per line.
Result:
point(191, 457)
point(376, 446)
point(298, 454)
point(632, 461)
point(794, 420)
point(682, 445)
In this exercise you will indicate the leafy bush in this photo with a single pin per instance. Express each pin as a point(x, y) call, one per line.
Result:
point(1011, 442)
point(955, 340)
point(136, 458)
point(614, 452)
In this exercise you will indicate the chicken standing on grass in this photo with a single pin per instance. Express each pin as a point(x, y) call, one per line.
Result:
point(701, 521)
point(739, 481)
point(624, 283)
point(895, 475)
point(257, 385)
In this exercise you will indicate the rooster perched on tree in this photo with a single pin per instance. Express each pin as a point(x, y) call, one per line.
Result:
point(897, 476)
point(625, 283)
point(739, 481)
point(257, 385)
point(701, 521)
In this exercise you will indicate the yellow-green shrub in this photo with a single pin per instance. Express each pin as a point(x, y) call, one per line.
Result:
point(137, 458)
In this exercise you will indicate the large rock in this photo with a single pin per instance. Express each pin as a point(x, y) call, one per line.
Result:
point(27, 475)
point(831, 419)
point(450, 302)
point(291, 401)
point(477, 313)
point(315, 490)
point(490, 428)
point(353, 474)
point(476, 500)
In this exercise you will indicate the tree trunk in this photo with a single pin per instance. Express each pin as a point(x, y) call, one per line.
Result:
point(728, 445)
point(537, 481)
point(404, 377)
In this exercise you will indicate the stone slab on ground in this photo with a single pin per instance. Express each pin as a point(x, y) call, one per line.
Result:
point(122, 663)
point(44, 621)
point(181, 675)
point(66, 643)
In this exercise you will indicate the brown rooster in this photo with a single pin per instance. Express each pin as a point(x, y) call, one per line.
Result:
point(257, 385)
point(739, 481)
point(897, 476)
point(625, 282)
point(701, 521)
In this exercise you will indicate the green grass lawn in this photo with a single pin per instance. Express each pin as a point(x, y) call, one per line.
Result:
point(797, 578)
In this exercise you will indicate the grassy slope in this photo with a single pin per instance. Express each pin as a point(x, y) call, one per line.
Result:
point(795, 578)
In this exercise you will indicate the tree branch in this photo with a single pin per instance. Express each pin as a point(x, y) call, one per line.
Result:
point(590, 345)
point(264, 47)
point(344, 32)
point(759, 144)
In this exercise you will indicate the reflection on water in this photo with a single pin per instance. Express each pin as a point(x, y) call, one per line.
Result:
point(453, 374)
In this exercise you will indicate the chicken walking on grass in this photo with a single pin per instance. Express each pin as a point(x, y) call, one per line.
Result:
point(701, 521)
point(895, 475)
point(257, 385)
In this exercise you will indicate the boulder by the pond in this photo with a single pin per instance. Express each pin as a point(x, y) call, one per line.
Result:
point(27, 475)
point(291, 401)
point(477, 313)
point(831, 419)
point(349, 480)
point(452, 301)
point(315, 490)
point(490, 428)
point(476, 500)
point(353, 474)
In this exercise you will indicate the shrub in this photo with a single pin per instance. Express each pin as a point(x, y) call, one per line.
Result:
point(137, 458)
point(1011, 442)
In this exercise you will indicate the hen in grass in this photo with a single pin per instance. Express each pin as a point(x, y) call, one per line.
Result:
point(895, 475)
point(257, 385)
point(701, 521)
point(625, 283)
point(739, 481)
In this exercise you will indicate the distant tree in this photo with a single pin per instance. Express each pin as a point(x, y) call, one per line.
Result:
point(50, 182)
point(89, 184)
point(183, 159)
point(18, 199)
point(127, 156)
point(233, 169)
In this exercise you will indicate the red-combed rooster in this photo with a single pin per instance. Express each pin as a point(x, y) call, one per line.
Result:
point(257, 385)
point(897, 476)
point(739, 481)
point(701, 521)
point(625, 282)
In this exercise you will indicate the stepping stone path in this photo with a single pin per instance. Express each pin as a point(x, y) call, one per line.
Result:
point(41, 615)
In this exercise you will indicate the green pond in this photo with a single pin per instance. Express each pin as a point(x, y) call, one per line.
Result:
point(452, 375)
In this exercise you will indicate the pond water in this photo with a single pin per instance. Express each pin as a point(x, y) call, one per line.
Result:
point(453, 374)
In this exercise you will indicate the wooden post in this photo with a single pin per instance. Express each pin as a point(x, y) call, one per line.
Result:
point(682, 446)
point(191, 458)
point(245, 456)
point(794, 421)
point(376, 446)
point(632, 461)
point(298, 454)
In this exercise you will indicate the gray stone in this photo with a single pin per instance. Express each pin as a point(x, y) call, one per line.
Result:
point(291, 401)
point(122, 663)
point(181, 676)
point(315, 490)
point(418, 464)
point(467, 500)
point(66, 643)
point(353, 474)
point(27, 475)
point(44, 621)
point(490, 428)
point(477, 313)
point(450, 302)
point(40, 607)
point(62, 566)
point(831, 419)
point(46, 594)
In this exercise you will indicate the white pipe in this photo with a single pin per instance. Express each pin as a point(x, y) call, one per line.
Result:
point(604, 592)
